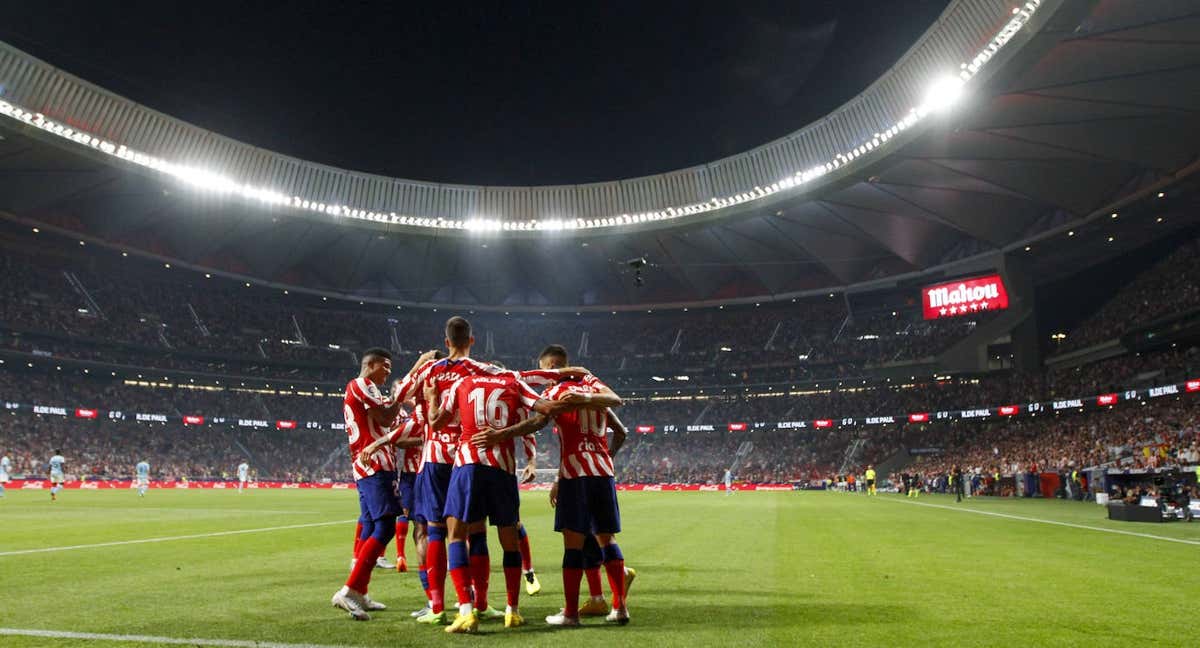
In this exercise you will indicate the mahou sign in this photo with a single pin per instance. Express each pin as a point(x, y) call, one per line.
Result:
point(964, 297)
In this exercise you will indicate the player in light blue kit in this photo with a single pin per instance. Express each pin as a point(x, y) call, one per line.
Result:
point(5, 468)
point(728, 483)
point(56, 474)
point(243, 475)
point(143, 477)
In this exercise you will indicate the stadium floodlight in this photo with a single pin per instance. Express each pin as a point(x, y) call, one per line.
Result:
point(657, 378)
point(942, 95)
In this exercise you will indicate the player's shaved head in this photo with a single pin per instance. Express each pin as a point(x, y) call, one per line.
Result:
point(458, 332)
point(555, 353)
point(376, 354)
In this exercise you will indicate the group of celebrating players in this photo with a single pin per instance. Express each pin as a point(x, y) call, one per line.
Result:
point(456, 422)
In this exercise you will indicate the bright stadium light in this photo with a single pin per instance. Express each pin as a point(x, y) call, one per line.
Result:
point(942, 94)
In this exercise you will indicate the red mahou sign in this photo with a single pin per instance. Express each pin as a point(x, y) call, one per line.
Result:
point(964, 297)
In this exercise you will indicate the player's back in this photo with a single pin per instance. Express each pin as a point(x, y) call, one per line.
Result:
point(143, 468)
point(582, 433)
point(441, 445)
point(495, 401)
point(56, 463)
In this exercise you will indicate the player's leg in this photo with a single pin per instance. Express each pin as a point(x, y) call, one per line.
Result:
point(510, 540)
point(352, 596)
point(606, 516)
point(432, 484)
point(532, 584)
point(503, 509)
point(421, 543)
point(401, 541)
point(593, 560)
point(459, 517)
point(573, 521)
point(480, 568)
point(406, 483)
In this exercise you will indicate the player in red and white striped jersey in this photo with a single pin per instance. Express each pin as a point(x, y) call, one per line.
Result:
point(483, 485)
point(585, 499)
point(369, 416)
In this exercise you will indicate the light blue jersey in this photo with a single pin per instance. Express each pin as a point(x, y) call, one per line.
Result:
point(5, 468)
point(143, 470)
point(56, 464)
point(243, 471)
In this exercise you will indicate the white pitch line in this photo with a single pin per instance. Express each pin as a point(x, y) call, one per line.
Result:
point(217, 534)
point(94, 636)
point(1054, 522)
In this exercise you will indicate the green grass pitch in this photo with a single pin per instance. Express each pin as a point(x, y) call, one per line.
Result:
point(805, 568)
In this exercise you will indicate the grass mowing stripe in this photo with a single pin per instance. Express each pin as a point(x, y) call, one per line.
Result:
point(193, 536)
point(93, 636)
point(1054, 522)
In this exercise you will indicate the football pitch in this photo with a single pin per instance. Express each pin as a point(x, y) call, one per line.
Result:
point(802, 568)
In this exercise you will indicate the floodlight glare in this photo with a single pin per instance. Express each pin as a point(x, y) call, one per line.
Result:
point(943, 94)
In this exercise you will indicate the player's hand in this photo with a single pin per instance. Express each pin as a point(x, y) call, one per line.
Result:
point(486, 437)
point(429, 389)
point(364, 460)
point(528, 474)
point(426, 357)
point(554, 495)
point(574, 372)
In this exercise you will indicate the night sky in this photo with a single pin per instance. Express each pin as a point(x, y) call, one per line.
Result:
point(511, 92)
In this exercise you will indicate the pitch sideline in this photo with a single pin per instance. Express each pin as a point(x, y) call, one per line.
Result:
point(1054, 522)
point(95, 636)
point(194, 536)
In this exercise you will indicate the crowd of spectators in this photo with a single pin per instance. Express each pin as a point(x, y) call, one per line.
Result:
point(1170, 287)
point(1154, 435)
point(131, 312)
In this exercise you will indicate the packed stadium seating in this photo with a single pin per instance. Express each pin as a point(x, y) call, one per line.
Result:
point(742, 362)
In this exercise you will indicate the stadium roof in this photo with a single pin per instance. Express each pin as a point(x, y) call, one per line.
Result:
point(1067, 107)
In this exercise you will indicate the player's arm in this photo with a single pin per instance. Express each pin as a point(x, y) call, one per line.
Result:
point(406, 388)
point(441, 412)
point(619, 433)
point(491, 436)
point(603, 399)
point(529, 472)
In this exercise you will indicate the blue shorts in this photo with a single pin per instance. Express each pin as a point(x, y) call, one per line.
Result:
point(478, 492)
point(430, 493)
point(377, 497)
point(587, 505)
point(407, 485)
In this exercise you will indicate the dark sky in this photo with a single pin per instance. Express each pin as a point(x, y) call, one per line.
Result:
point(510, 92)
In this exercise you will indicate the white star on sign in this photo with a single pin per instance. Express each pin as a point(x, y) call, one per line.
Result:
point(974, 307)
point(983, 305)
point(943, 311)
point(953, 310)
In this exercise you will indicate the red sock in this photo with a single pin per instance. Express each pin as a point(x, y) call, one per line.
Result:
point(460, 571)
point(423, 576)
point(481, 567)
point(357, 538)
point(570, 577)
point(526, 557)
point(512, 577)
point(368, 553)
point(593, 580)
point(435, 565)
point(616, 581)
point(401, 536)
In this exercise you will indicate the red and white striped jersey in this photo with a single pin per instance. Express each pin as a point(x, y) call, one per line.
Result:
point(540, 378)
point(440, 445)
point(407, 427)
point(582, 434)
point(361, 396)
point(489, 401)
